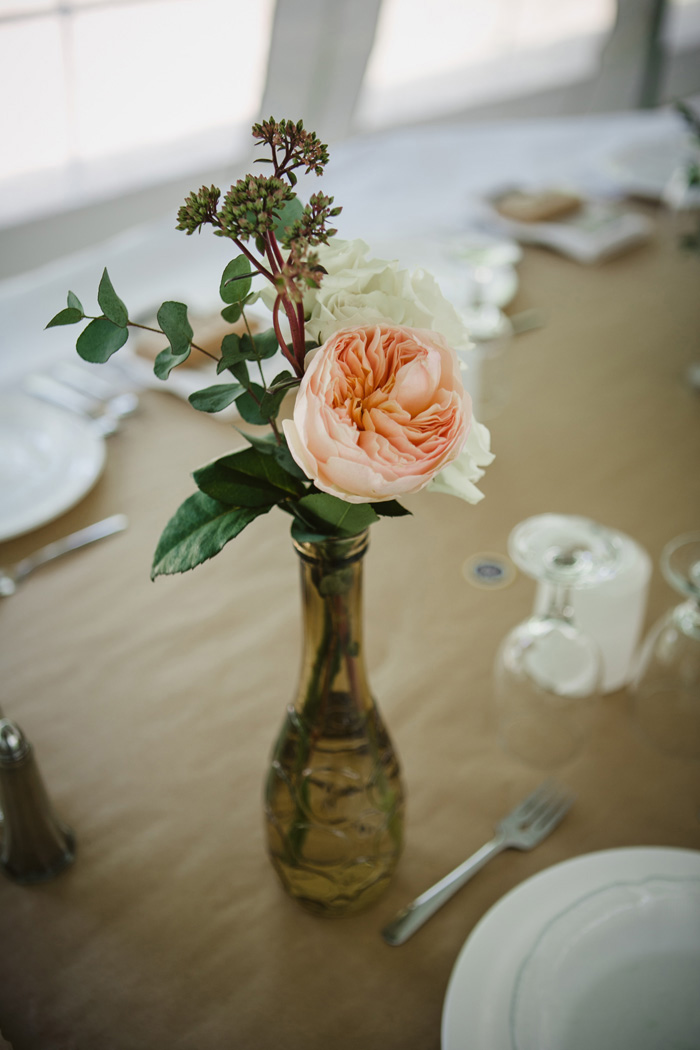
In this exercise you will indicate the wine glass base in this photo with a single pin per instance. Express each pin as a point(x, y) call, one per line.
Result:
point(540, 742)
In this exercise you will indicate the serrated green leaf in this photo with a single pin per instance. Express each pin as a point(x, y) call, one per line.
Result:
point(215, 398)
point(100, 340)
point(69, 315)
point(235, 280)
point(198, 530)
point(334, 516)
point(248, 478)
point(75, 303)
point(172, 318)
point(110, 303)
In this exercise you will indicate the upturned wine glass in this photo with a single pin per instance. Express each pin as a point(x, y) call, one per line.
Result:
point(548, 673)
point(666, 683)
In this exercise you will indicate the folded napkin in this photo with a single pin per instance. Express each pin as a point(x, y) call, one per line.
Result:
point(585, 230)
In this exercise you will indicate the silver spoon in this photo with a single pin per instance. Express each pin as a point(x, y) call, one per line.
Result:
point(10, 577)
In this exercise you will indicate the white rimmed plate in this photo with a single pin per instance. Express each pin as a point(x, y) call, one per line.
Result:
point(480, 1005)
point(49, 460)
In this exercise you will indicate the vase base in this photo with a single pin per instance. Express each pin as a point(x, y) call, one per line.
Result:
point(330, 894)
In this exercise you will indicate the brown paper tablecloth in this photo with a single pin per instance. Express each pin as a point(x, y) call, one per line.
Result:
point(153, 706)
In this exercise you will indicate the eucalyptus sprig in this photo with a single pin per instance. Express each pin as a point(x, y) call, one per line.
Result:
point(276, 235)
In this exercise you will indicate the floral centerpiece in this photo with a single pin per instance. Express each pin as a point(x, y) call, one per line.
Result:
point(370, 353)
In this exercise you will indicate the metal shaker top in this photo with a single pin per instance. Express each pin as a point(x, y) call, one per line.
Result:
point(14, 745)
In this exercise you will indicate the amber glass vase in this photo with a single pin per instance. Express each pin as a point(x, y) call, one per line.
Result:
point(333, 796)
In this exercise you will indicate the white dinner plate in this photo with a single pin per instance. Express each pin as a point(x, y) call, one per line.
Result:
point(499, 963)
point(49, 459)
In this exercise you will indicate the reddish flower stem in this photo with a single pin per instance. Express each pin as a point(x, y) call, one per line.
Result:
point(280, 337)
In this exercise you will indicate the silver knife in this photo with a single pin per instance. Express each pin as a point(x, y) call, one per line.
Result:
point(9, 578)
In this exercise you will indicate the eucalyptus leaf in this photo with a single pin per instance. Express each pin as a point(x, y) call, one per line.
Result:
point(75, 303)
point(230, 352)
point(198, 530)
point(290, 211)
point(172, 318)
point(110, 303)
point(100, 340)
point(215, 398)
point(69, 315)
point(265, 344)
point(272, 400)
point(232, 313)
point(235, 280)
point(248, 404)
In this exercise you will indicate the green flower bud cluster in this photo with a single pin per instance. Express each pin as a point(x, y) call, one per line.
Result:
point(250, 207)
point(311, 227)
point(198, 209)
point(292, 147)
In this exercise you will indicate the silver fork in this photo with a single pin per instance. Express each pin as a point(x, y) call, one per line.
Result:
point(105, 413)
point(524, 828)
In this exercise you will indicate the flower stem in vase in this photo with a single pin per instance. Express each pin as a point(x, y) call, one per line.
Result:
point(334, 799)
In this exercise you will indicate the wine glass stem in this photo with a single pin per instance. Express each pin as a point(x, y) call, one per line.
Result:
point(560, 603)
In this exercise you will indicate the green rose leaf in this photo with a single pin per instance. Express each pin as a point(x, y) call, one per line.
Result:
point(215, 398)
point(172, 318)
point(100, 340)
point(389, 508)
point(235, 280)
point(334, 516)
point(198, 530)
point(110, 303)
point(268, 445)
point(69, 315)
point(248, 478)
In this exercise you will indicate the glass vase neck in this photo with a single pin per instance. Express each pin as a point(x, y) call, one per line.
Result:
point(333, 550)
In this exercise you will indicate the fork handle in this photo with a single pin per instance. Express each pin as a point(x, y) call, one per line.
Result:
point(411, 918)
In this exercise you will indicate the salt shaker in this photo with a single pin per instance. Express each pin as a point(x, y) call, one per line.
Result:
point(35, 844)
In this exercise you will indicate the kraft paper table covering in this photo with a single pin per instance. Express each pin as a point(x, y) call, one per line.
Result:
point(153, 706)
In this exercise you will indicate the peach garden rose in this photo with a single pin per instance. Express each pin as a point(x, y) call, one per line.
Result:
point(380, 412)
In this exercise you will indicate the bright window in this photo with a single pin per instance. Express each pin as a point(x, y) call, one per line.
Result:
point(101, 96)
point(443, 55)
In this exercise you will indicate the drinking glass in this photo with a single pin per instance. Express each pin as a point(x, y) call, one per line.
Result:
point(548, 673)
point(666, 684)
